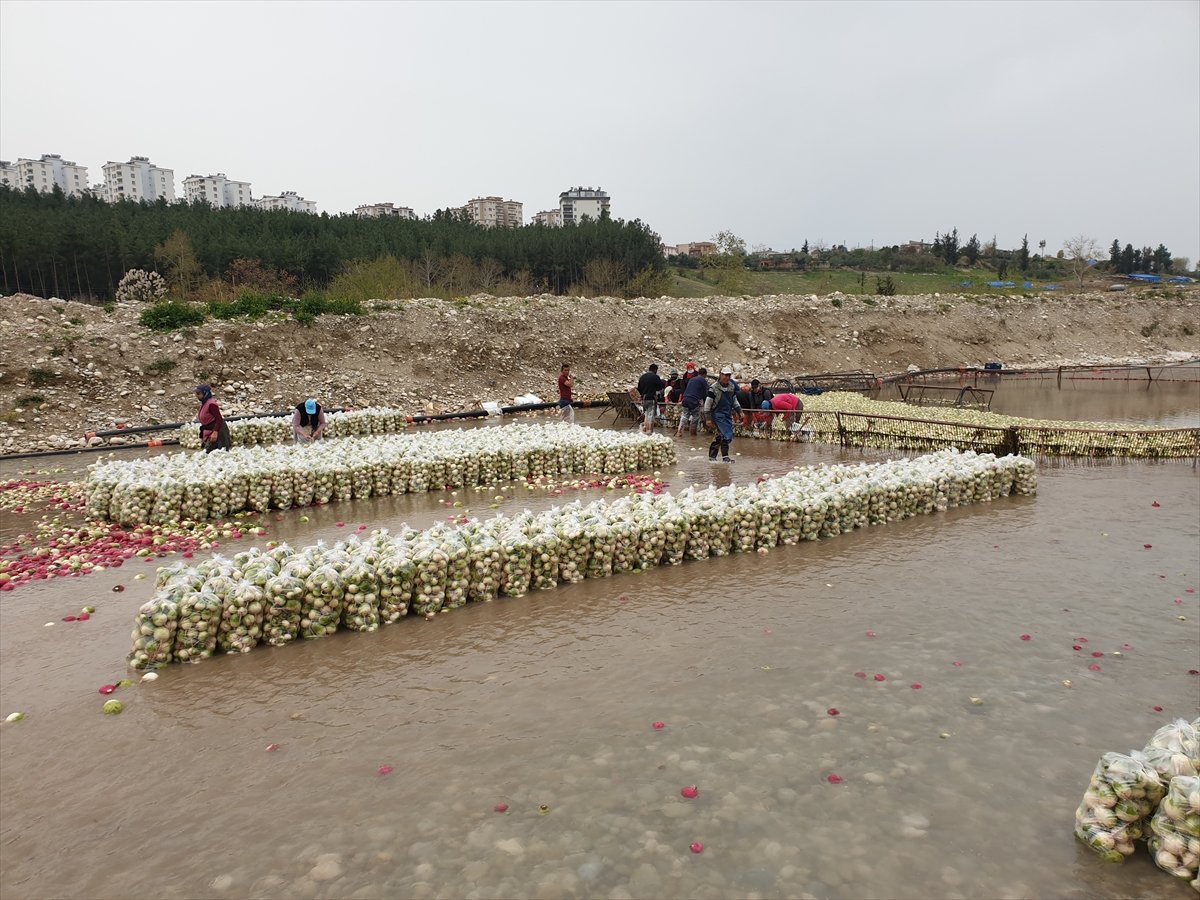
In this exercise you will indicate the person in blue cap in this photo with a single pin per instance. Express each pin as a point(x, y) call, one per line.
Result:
point(308, 421)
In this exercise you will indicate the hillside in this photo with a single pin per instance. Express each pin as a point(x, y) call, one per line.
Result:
point(71, 368)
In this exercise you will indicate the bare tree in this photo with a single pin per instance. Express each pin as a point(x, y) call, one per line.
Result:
point(1079, 250)
point(429, 266)
point(487, 274)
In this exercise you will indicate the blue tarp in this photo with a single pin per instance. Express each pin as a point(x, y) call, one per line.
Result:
point(965, 283)
point(1149, 279)
point(1051, 287)
point(1002, 284)
point(1181, 279)
point(1027, 284)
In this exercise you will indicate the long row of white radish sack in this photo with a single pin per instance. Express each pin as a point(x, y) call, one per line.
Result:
point(275, 596)
point(194, 487)
point(278, 429)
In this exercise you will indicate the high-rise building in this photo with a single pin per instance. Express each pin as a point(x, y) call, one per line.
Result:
point(217, 190)
point(287, 200)
point(493, 212)
point(551, 218)
point(138, 180)
point(383, 210)
point(43, 174)
point(579, 202)
point(8, 173)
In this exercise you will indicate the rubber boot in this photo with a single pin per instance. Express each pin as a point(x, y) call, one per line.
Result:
point(712, 449)
point(725, 452)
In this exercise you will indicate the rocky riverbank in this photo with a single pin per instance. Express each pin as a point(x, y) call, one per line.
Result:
point(69, 369)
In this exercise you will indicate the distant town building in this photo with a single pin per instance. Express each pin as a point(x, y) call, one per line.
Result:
point(43, 174)
point(137, 180)
point(493, 212)
point(287, 200)
point(698, 248)
point(217, 190)
point(551, 218)
point(578, 202)
point(916, 247)
point(8, 173)
point(383, 211)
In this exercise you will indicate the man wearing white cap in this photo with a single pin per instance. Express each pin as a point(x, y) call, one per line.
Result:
point(308, 421)
point(722, 404)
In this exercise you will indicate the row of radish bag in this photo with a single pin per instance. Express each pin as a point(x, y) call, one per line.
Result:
point(278, 429)
point(1151, 795)
point(279, 595)
point(188, 486)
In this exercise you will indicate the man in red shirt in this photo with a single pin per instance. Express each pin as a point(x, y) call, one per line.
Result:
point(566, 386)
point(790, 404)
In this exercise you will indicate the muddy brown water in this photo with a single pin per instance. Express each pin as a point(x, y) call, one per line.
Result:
point(549, 700)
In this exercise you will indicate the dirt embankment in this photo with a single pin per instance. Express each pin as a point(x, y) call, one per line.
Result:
point(69, 368)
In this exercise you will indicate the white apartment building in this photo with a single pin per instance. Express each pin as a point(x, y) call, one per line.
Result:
point(43, 174)
point(493, 212)
point(217, 190)
point(138, 180)
point(579, 202)
point(384, 211)
point(289, 200)
point(551, 218)
point(8, 173)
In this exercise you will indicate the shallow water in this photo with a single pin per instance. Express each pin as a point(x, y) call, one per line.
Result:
point(1083, 397)
point(549, 699)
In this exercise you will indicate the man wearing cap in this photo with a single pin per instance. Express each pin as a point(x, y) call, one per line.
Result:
point(214, 433)
point(722, 404)
point(308, 421)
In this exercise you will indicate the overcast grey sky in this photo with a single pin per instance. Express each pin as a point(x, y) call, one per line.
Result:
point(849, 122)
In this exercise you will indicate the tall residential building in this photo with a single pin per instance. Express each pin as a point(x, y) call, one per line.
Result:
point(8, 173)
point(383, 210)
point(579, 202)
point(217, 190)
point(551, 218)
point(137, 180)
point(43, 174)
point(493, 212)
point(287, 200)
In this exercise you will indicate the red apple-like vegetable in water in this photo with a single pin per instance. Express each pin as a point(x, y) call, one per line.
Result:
point(690, 792)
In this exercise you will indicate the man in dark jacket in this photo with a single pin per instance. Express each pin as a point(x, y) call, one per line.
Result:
point(648, 387)
point(692, 403)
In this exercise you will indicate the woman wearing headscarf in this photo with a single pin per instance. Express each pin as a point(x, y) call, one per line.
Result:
point(214, 433)
point(308, 421)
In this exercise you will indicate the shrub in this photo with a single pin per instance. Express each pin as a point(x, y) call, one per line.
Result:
point(170, 316)
point(42, 377)
point(160, 367)
point(252, 304)
point(30, 400)
point(837, 302)
point(141, 286)
point(884, 286)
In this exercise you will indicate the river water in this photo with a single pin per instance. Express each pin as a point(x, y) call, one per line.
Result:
point(963, 787)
